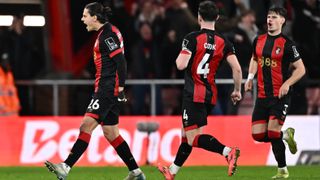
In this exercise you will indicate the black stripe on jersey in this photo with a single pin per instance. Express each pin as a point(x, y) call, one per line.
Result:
point(266, 70)
point(285, 62)
point(209, 94)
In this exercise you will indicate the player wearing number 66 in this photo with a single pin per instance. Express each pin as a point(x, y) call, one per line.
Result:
point(202, 51)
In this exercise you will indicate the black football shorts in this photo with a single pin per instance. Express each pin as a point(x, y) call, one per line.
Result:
point(266, 107)
point(194, 115)
point(104, 110)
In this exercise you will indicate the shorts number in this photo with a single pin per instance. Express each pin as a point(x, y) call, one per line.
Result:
point(205, 71)
point(285, 107)
point(185, 115)
point(94, 104)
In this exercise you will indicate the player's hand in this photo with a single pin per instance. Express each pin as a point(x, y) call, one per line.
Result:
point(284, 89)
point(235, 97)
point(248, 85)
point(122, 97)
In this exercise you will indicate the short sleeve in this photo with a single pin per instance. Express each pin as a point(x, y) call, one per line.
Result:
point(114, 44)
point(229, 48)
point(292, 52)
point(188, 44)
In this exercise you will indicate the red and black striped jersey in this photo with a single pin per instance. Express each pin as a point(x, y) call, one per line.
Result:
point(208, 48)
point(108, 44)
point(273, 55)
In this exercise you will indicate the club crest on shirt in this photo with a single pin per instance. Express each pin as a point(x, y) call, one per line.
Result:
point(278, 49)
point(112, 45)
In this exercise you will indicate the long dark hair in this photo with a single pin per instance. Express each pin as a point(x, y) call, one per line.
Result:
point(102, 12)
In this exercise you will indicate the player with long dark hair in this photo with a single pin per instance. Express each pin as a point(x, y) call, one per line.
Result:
point(109, 85)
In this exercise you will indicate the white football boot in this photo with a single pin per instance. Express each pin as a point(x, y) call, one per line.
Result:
point(61, 170)
point(133, 176)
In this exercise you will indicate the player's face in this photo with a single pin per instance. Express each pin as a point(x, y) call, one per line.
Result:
point(88, 20)
point(274, 22)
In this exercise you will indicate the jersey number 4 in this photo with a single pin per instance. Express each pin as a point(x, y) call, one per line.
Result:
point(185, 115)
point(203, 67)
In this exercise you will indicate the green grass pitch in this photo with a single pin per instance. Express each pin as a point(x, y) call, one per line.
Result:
point(186, 173)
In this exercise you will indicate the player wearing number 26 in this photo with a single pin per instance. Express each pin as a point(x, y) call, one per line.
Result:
point(103, 109)
point(200, 56)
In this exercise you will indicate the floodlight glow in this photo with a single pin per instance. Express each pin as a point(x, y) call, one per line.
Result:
point(34, 21)
point(6, 20)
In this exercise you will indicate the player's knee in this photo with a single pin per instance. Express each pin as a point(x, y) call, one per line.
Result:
point(274, 134)
point(87, 126)
point(190, 141)
point(84, 128)
point(259, 137)
point(110, 136)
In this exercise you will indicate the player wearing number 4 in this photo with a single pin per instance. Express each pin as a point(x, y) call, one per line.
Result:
point(202, 51)
point(272, 54)
point(103, 109)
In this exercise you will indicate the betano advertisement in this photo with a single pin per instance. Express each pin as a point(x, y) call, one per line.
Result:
point(29, 141)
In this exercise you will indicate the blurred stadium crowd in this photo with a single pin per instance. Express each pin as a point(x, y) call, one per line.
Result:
point(153, 31)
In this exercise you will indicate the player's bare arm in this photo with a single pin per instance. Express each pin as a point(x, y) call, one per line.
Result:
point(183, 60)
point(253, 67)
point(298, 72)
point(237, 77)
